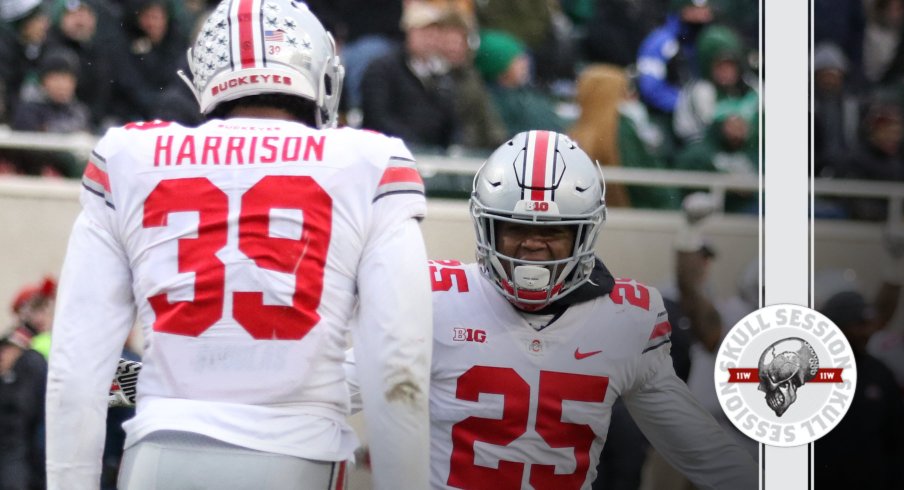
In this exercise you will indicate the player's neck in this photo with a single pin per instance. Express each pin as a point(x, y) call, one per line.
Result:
point(261, 112)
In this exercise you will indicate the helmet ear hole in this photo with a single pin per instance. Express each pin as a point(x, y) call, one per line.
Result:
point(328, 85)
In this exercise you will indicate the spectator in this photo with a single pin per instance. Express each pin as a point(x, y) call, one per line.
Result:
point(879, 156)
point(543, 30)
point(56, 110)
point(874, 423)
point(836, 110)
point(365, 30)
point(20, 49)
point(74, 27)
point(729, 146)
point(23, 379)
point(481, 126)
point(742, 16)
point(721, 84)
point(409, 93)
point(887, 344)
point(618, 27)
point(146, 60)
point(504, 64)
point(666, 59)
point(33, 307)
point(881, 37)
point(642, 143)
point(600, 89)
point(842, 22)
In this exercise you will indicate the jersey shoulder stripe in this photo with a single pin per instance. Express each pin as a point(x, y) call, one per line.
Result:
point(399, 177)
point(661, 333)
point(96, 180)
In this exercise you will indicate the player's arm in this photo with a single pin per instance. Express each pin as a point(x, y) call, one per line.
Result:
point(393, 347)
point(93, 318)
point(687, 436)
point(705, 320)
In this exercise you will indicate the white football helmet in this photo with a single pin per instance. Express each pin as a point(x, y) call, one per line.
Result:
point(541, 178)
point(251, 47)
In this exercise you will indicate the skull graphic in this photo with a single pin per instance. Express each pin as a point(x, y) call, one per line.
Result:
point(784, 367)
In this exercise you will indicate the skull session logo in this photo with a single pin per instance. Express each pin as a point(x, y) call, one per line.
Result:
point(785, 375)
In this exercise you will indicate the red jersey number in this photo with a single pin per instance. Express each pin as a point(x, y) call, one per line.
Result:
point(304, 257)
point(635, 294)
point(444, 274)
point(554, 388)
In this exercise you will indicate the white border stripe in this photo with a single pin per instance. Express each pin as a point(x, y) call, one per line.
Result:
point(787, 220)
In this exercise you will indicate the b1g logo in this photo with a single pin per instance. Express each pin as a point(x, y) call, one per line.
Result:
point(785, 375)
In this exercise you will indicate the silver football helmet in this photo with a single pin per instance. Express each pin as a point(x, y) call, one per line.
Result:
point(250, 47)
point(541, 178)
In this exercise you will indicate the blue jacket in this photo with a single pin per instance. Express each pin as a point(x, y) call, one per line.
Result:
point(657, 82)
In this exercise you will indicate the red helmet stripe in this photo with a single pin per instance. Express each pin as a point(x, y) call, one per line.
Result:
point(538, 179)
point(246, 32)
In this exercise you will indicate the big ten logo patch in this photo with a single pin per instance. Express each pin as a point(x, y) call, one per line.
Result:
point(539, 206)
point(469, 335)
point(785, 375)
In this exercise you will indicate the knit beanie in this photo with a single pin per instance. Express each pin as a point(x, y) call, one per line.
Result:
point(496, 52)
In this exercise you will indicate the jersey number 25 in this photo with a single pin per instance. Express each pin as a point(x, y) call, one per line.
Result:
point(555, 387)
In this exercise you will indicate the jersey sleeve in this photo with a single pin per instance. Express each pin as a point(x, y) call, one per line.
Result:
point(392, 344)
point(686, 435)
point(400, 192)
point(97, 198)
point(93, 317)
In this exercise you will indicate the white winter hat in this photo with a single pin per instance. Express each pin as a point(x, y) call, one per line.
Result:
point(13, 10)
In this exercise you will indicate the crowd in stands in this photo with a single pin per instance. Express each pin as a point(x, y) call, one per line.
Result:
point(665, 84)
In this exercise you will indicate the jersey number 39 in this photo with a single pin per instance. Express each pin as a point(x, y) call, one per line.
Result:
point(304, 257)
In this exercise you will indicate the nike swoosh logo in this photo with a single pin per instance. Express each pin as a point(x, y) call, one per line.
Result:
point(584, 355)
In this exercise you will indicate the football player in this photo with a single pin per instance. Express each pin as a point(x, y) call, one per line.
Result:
point(244, 247)
point(534, 342)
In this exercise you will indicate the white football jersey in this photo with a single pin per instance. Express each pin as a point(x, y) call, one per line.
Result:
point(240, 242)
point(512, 407)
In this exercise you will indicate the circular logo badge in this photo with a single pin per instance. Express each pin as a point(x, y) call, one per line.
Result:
point(785, 375)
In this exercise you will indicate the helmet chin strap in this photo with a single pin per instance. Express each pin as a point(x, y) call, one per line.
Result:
point(530, 277)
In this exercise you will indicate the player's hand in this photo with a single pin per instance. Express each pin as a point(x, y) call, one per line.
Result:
point(698, 206)
point(124, 388)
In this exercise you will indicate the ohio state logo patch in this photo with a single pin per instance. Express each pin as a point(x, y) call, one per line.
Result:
point(785, 375)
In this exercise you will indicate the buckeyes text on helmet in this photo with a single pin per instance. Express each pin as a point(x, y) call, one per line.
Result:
point(252, 47)
point(538, 178)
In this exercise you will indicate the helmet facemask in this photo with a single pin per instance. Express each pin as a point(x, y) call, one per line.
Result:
point(533, 284)
point(571, 196)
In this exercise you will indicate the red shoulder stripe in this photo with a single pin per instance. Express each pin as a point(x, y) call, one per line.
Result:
point(395, 175)
point(94, 173)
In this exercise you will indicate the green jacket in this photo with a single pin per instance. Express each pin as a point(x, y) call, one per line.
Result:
point(524, 109)
point(642, 144)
